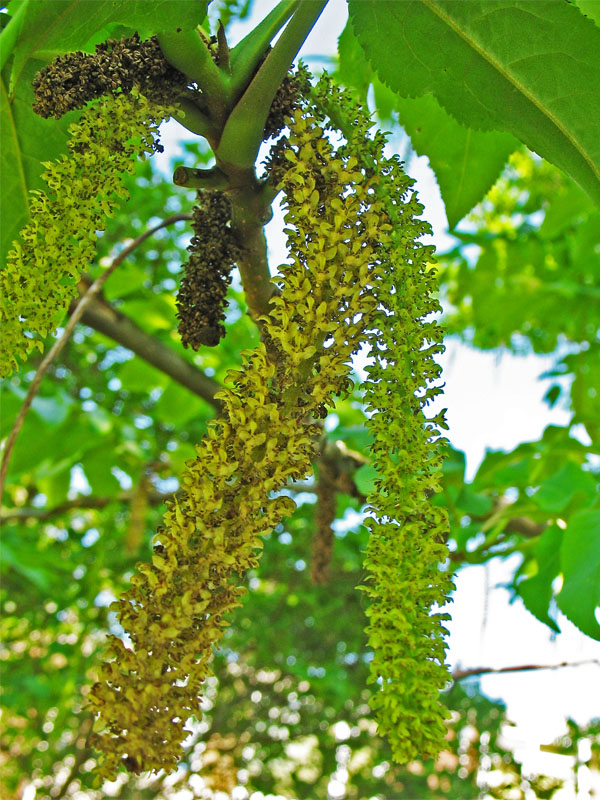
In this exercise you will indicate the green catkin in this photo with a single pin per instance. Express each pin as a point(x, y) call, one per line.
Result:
point(356, 273)
point(175, 610)
point(407, 542)
point(55, 247)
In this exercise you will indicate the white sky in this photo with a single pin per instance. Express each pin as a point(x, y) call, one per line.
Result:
point(494, 401)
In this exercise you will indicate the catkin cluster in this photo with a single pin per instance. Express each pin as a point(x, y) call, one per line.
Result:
point(201, 300)
point(356, 273)
point(176, 609)
point(407, 542)
point(73, 79)
point(84, 188)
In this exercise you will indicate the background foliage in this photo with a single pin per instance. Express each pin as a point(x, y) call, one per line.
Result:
point(108, 433)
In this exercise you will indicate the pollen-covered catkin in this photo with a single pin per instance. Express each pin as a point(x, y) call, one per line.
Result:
point(407, 543)
point(84, 188)
point(177, 606)
point(356, 273)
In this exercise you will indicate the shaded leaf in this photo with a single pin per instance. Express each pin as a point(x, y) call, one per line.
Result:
point(529, 67)
point(466, 162)
point(536, 592)
point(580, 559)
point(569, 483)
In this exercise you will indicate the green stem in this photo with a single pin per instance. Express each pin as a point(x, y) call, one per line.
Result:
point(244, 128)
point(188, 52)
point(247, 54)
point(223, 50)
point(200, 178)
point(253, 265)
point(194, 120)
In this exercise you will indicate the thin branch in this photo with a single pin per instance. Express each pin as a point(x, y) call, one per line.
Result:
point(61, 342)
point(460, 674)
point(83, 502)
point(104, 318)
point(83, 754)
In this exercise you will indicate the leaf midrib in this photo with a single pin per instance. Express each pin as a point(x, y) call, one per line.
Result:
point(511, 79)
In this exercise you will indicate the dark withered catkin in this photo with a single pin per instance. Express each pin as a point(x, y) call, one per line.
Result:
point(73, 79)
point(201, 301)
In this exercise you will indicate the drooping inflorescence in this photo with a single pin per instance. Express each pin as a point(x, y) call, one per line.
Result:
point(130, 89)
point(201, 300)
point(84, 188)
point(407, 542)
point(356, 273)
point(176, 609)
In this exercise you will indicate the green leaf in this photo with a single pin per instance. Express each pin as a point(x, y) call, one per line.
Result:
point(354, 70)
point(453, 466)
point(364, 478)
point(466, 162)
point(177, 458)
point(128, 280)
point(97, 467)
point(569, 483)
point(39, 577)
point(41, 32)
point(580, 558)
point(529, 67)
point(177, 405)
point(156, 312)
point(536, 592)
point(591, 9)
point(473, 503)
point(138, 376)
point(563, 207)
point(53, 410)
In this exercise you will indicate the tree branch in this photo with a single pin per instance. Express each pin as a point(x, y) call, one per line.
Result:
point(83, 502)
point(104, 318)
point(80, 757)
point(58, 345)
point(460, 674)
